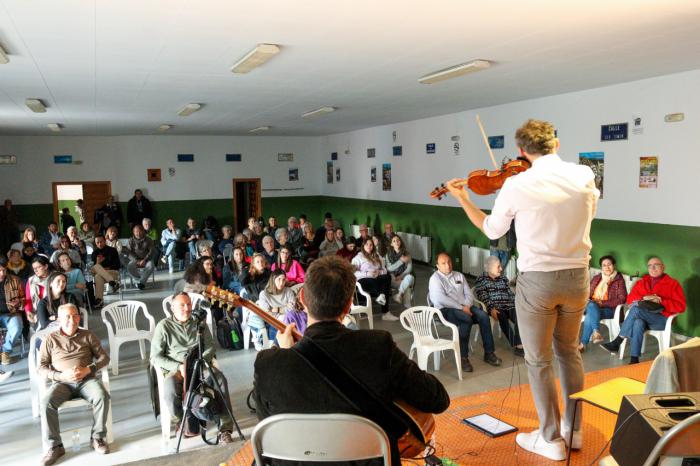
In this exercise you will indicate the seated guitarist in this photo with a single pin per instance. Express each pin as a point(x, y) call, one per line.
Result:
point(285, 383)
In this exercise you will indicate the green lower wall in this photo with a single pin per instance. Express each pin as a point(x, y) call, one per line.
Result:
point(630, 242)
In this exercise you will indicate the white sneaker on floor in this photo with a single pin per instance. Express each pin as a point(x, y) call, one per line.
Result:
point(533, 442)
point(5, 375)
point(381, 299)
point(398, 297)
point(388, 316)
point(577, 440)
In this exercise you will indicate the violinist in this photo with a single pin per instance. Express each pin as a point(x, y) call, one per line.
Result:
point(552, 205)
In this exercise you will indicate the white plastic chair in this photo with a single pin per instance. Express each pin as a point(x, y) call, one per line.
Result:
point(120, 319)
point(495, 328)
point(196, 298)
point(165, 414)
point(420, 320)
point(366, 309)
point(475, 328)
point(312, 438)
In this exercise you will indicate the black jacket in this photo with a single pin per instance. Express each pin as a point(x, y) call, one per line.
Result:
point(133, 216)
point(284, 383)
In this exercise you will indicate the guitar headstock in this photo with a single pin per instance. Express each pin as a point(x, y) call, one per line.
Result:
point(439, 192)
point(223, 297)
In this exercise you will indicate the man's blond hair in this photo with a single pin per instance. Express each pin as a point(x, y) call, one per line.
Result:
point(536, 137)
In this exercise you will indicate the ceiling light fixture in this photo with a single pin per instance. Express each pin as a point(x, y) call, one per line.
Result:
point(256, 57)
point(4, 59)
point(189, 109)
point(318, 112)
point(455, 71)
point(259, 129)
point(164, 128)
point(55, 127)
point(35, 105)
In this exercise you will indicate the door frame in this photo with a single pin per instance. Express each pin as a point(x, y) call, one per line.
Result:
point(56, 184)
point(258, 211)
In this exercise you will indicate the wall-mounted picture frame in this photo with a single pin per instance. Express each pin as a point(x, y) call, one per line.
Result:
point(371, 153)
point(285, 157)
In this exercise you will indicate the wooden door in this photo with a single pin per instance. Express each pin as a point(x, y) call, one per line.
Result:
point(246, 201)
point(95, 193)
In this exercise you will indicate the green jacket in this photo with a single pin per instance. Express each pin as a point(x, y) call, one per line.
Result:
point(172, 340)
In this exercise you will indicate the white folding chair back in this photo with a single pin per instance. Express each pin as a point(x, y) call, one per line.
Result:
point(165, 414)
point(420, 321)
point(495, 328)
point(312, 438)
point(196, 298)
point(366, 309)
point(120, 319)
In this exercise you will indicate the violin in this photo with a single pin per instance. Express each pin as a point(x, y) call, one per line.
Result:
point(484, 182)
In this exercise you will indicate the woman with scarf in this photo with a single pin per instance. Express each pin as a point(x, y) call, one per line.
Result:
point(608, 290)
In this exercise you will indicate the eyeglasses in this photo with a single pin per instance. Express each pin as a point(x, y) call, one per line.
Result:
point(654, 266)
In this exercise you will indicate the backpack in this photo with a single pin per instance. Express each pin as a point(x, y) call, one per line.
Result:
point(229, 334)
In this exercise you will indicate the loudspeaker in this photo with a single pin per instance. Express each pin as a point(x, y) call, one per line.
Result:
point(644, 419)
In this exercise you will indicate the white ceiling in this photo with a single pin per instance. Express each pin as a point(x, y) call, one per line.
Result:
point(127, 66)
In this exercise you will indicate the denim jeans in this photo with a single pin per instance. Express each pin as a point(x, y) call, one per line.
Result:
point(594, 314)
point(464, 323)
point(193, 251)
point(13, 324)
point(637, 321)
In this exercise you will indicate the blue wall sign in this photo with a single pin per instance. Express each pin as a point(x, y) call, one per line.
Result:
point(233, 157)
point(62, 159)
point(430, 148)
point(334, 156)
point(185, 157)
point(398, 151)
point(496, 142)
point(614, 132)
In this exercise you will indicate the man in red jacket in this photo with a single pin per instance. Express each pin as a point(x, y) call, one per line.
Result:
point(652, 301)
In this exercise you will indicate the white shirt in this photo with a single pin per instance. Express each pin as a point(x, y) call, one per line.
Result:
point(451, 290)
point(553, 204)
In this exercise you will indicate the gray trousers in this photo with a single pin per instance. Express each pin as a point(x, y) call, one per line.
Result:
point(90, 390)
point(550, 306)
point(140, 275)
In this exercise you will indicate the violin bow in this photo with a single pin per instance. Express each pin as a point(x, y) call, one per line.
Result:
point(486, 141)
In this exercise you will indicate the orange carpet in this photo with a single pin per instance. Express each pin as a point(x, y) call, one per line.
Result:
point(465, 446)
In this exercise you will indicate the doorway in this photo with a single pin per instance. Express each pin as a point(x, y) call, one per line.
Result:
point(66, 193)
point(246, 201)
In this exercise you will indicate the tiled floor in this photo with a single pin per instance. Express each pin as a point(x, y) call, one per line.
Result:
point(137, 432)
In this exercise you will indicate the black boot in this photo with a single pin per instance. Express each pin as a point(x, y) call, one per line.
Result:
point(634, 360)
point(613, 346)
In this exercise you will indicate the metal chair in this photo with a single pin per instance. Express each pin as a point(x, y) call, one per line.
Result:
point(120, 319)
point(319, 437)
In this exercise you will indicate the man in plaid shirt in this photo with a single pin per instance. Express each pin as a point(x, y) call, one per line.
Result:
point(493, 290)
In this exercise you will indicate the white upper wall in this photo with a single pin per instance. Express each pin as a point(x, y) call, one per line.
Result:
point(578, 118)
point(125, 159)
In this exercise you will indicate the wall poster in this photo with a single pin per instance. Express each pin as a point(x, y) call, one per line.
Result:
point(337, 174)
point(648, 172)
point(293, 174)
point(373, 174)
point(386, 177)
point(371, 153)
point(596, 162)
point(329, 172)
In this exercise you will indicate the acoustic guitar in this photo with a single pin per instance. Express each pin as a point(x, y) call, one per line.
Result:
point(413, 442)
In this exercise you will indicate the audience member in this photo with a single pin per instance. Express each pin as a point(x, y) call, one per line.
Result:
point(169, 239)
point(152, 233)
point(295, 232)
point(234, 270)
point(272, 226)
point(69, 358)
point(112, 240)
point(29, 252)
point(9, 225)
point(330, 245)
point(217, 263)
point(36, 287)
point(608, 290)
point(67, 219)
point(371, 356)
point(75, 280)
point(56, 295)
point(302, 221)
point(210, 229)
point(349, 250)
point(105, 269)
point(18, 266)
point(80, 210)
point(64, 245)
point(191, 236)
point(29, 236)
point(138, 208)
point(11, 302)
point(86, 234)
point(364, 234)
point(320, 235)
point(504, 246)
point(373, 276)
point(282, 238)
point(308, 250)
point(258, 235)
point(653, 299)
point(340, 235)
point(277, 298)
point(255, 278)
point(293, 270)
point(173, 339)
point(400, 266)
point(49, 241)
point(140, 265)
point(268, 249)
point(385, 240)
point(450, 292)
point(110, 214)
point(226, 240)
point(493, 290)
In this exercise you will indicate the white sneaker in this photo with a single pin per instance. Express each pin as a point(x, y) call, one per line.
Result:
point(388, 316)
point(577, 442)
point(381, 299)
point(533, 442)
point(398, 297)
point(5, 375)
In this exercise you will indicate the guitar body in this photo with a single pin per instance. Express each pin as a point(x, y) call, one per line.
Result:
point(411, 446)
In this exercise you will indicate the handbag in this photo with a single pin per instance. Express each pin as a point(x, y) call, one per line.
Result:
point(650, 306)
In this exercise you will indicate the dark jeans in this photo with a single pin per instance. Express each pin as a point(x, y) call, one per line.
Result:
point(464, 323)
point(377, 286)
point(511, 332)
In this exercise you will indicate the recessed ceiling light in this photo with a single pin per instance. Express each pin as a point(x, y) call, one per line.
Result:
point(259, 129)
point(189, 109)
point(55, 127)
point(4, 59)
point(164, 128)
point(35, 105)
point(256, 57)
point(318, 112)
point(454, 71)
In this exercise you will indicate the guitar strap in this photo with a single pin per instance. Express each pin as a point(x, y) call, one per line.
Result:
point(392, 419)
